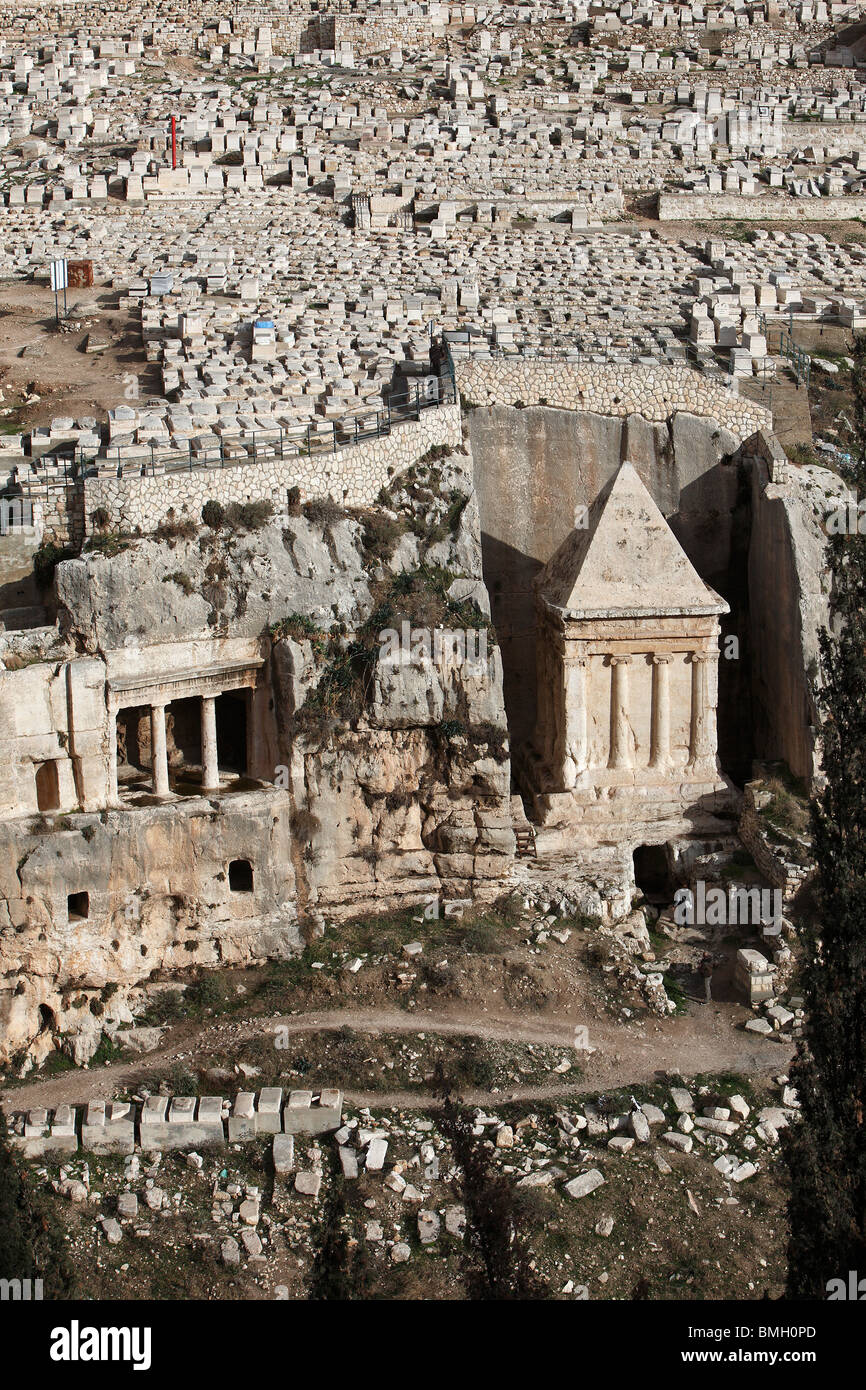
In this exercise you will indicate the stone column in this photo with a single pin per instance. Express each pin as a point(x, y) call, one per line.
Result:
point(210, 773)
point(112, 797)
point(620, 745)
point(574, 716)
point(158, 753)
point(701, 743)
point(660, 732)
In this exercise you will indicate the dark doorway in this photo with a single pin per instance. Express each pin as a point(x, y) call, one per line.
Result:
point(231, 722)
point(241, 876)
point(652, 874)
point(47, 787)
point(183, 732)
point(78, 907)
point(133, 738)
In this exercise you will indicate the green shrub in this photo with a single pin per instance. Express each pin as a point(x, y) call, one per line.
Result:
point(109, 544)
point(301, 628)
point(210, 992)
point(182, 581)
point(380, 535)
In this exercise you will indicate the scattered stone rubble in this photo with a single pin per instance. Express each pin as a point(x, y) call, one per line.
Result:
point(412, 1205)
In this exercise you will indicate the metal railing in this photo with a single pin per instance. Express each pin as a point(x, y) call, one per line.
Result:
point(553, 349)
point(316, 437)
point(799, 359)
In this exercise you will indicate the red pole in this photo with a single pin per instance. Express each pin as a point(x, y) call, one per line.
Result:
point(173, 143)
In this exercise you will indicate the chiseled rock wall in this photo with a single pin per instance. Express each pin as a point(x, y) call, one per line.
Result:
point(769, 207)
point(789, 587)
point(159, 899)
point(401, 811)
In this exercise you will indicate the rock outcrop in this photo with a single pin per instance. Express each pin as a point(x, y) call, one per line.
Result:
point(376, 770)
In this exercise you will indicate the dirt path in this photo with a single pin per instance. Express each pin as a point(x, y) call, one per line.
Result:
point(704, 1040)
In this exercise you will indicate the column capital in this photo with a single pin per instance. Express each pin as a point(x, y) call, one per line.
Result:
point(698, 657)
point(661, 658)
point(620, 660)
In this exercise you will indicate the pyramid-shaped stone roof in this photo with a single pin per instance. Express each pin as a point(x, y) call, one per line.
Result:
point(626, 562)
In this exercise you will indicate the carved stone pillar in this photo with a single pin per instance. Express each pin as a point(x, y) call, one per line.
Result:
point(158, 753)
point(702, 735)
point(660, 731)
point(620, 729)
point(210, 774)
point(574, 714)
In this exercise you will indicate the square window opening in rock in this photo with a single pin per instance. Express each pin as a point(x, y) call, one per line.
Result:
point(241, 876)
point(78, 907)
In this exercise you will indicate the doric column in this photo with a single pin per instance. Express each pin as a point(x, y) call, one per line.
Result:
point(112, 797)
point(210, 773)
point(660, 732)
point(701, 743)
point(158, 753)
point(574, 710)
point(620, 744)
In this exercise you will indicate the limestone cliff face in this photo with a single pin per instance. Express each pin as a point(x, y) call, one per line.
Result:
point(414, 803)
point(377, 774)
point(151, 892)
point(789, 588)
point(395, 737)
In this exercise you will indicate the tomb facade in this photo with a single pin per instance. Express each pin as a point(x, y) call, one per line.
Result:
point(625, 747)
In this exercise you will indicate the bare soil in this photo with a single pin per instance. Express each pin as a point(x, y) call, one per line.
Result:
point(45, 372)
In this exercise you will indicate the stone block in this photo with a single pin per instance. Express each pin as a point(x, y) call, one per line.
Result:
point(283, 1153)
point(306, 1114)
point(268, 1110)
point(242, 1121)
point(584, 1184)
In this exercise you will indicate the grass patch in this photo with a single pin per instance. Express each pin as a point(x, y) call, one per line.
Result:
point(804, 456)
point(785, 809)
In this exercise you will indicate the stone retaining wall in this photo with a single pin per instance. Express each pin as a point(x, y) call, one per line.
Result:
point(352, 476)
point(656, 392)
point(159, 1123)
point(770, 859)
point(758, 207)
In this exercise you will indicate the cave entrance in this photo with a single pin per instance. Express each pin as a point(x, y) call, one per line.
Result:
point(183, 735)
point(78, 907)
point(652, 873)
point(133, 746)
point(232, 721)
point(240, 876)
